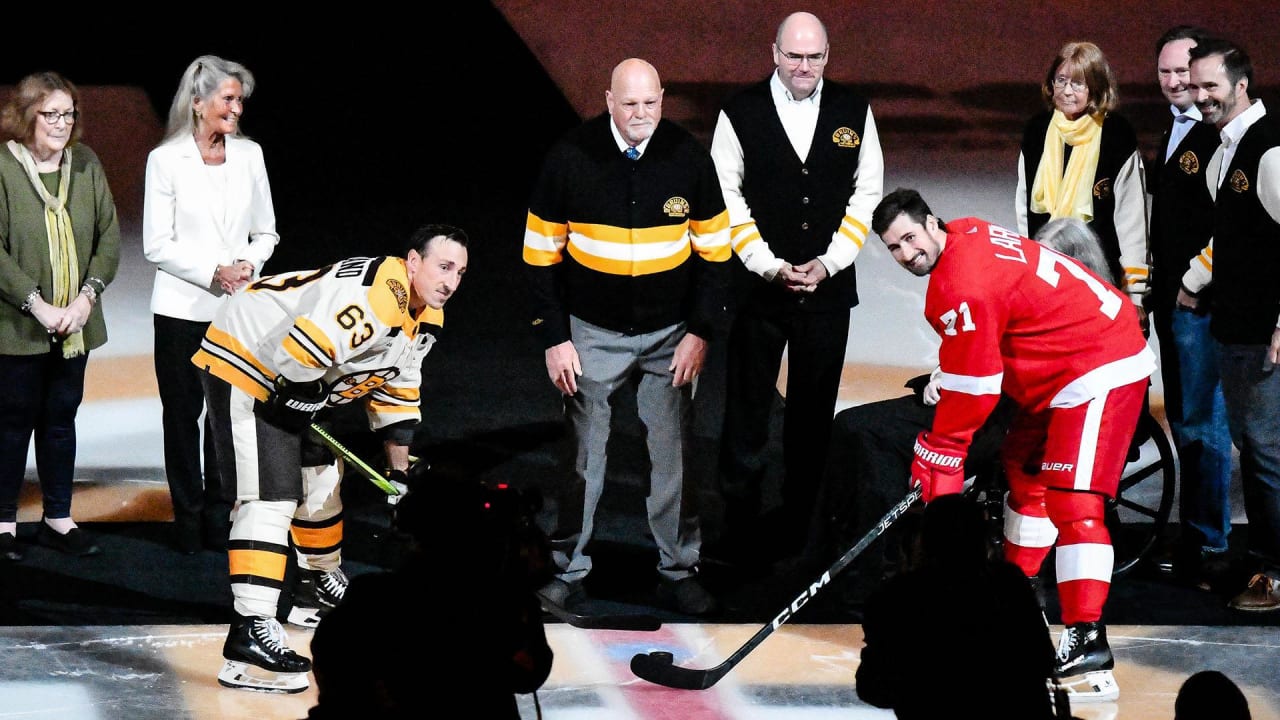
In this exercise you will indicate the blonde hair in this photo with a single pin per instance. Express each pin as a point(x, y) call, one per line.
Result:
point(201, 80)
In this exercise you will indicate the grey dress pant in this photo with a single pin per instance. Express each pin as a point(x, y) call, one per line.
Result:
point(612, 361)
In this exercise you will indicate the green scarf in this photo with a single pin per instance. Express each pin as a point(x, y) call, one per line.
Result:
point(62, 241)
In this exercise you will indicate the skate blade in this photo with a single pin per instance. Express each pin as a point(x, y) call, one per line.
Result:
point(304, 617)
point(1092, 687)
point(243, 676)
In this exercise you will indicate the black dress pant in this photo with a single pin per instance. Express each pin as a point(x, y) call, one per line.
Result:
point(201, 506)
point(814, 343)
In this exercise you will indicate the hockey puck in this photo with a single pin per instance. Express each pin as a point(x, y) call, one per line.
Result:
point(662, 656)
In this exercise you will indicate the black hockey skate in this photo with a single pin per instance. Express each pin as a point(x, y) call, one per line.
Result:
point(1085, 663)
point(315, 594)
point(258, 657)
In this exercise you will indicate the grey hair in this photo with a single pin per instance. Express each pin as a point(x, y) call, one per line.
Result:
point(201, 80)
point(1073, 238)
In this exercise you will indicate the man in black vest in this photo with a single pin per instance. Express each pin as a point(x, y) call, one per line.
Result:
point(1181, 224)
point(801, 169)
point(1242, 260)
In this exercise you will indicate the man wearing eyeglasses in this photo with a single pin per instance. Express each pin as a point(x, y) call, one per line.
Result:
point(801, 169)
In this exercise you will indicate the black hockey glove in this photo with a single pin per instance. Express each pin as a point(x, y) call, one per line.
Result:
point(292, 405)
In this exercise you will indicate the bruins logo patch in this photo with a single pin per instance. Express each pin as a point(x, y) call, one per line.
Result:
point(402, 295)
point(1239, 182)
point(1102, 190)
point(356, 385)
point(1189, 163)
point(846, 138)
point(676, 207)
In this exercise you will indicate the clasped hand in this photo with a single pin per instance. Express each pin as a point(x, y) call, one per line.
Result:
point(63, 321)
point(802, 278)
point(234, 276)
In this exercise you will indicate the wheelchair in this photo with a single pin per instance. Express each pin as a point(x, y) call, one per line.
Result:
point(1136, 516)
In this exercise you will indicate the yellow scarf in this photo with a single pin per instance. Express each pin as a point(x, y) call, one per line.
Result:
point(1070, 193)
point(62, 242)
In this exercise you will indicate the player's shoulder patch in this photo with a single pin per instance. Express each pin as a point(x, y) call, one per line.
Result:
point(389, 292)
point(399, 292)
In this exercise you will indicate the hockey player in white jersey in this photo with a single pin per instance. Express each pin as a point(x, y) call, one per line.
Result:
point(279, 351)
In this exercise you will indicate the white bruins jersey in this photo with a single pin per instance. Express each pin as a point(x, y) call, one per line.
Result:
point(348, 324)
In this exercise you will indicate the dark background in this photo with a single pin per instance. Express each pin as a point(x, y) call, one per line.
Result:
point(372, 126)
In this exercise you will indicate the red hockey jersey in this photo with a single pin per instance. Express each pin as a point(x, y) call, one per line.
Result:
point(1019, 318)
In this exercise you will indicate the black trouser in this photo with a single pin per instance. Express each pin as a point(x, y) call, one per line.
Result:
point(200, 503)
point(815, 348)
point(868, 472)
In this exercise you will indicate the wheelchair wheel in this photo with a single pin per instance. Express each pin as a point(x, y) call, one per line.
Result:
point(1138, 514)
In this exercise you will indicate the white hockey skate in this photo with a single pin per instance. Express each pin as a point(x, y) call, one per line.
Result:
point(257, 657)
point(315, 594)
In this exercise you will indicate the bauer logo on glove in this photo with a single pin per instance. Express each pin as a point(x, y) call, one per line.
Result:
point(937, 468)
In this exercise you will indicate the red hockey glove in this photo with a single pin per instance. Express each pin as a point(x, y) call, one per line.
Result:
point(937, 470)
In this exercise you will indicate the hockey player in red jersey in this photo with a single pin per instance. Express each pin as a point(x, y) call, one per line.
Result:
point(1066, 346)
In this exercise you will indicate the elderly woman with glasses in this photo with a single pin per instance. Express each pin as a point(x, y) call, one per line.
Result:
point(208, 225)
point(59, 249)
point(1080, 159)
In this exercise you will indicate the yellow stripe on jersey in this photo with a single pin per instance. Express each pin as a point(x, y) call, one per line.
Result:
point(230, 360)
point(1206, 257)
point(317, 352)
point(427, 316)
point(744, 235)
point(259, 563)
point(619, 251)
point(399, 395)
point(853, 230)
point(543, 241)
point(711, 237)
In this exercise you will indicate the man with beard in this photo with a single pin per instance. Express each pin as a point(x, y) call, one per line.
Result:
point(1181, 220)
point(1019, 319)
point(1240, 262)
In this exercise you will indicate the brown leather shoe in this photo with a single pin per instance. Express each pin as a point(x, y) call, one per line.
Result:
point(1262, 595)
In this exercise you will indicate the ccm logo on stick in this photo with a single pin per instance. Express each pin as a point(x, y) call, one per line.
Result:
point(801, 599)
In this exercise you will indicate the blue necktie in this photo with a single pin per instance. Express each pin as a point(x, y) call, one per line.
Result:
point(632, 153)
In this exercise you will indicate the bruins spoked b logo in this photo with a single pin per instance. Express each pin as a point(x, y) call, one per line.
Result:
point(676, 207)
point(1239, 182)
point(1189, 163)
point(846, 138)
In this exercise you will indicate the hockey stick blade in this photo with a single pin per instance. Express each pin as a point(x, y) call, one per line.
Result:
point(622, 621)
point(658, 668)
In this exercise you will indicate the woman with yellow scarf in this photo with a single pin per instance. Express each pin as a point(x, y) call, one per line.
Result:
point(59, 249)
point(1080, 159)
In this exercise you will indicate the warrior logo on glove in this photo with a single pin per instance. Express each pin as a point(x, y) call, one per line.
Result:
point(937, 469)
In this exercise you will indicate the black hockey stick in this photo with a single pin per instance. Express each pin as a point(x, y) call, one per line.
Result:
point(659, 668)
point(622, 621)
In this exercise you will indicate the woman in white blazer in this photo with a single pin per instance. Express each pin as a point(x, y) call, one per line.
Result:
point(208, 225)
